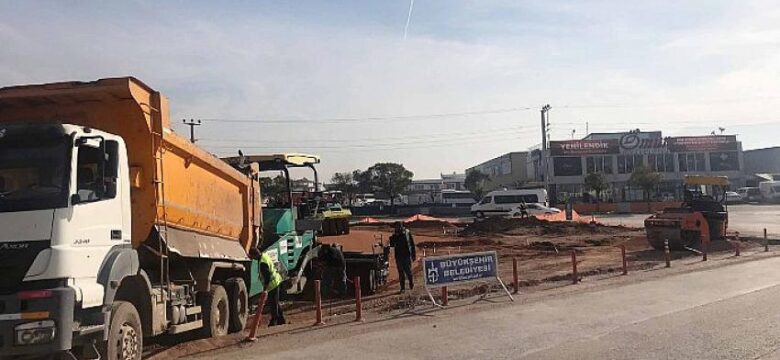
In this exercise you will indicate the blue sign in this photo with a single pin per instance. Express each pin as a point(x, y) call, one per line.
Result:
point(445, 270)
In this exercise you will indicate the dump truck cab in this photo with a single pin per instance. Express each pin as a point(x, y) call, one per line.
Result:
point(62, 213)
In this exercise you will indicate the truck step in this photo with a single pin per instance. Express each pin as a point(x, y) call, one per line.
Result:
point(193, 310)
point(90, 329)
point(177, 329)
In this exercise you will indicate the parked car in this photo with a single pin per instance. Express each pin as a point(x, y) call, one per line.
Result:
point(533, 209)
point(750, 194)
point(733, 197)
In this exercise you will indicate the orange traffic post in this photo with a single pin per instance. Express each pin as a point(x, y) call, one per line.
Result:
point(667, 254)
point(358, 300)
point(703, 251)
point(623, 255)
point(445, 296)
point(318, 303)
point(258, 317)
point(515, 279)
point(574, 278)
point(766, 242)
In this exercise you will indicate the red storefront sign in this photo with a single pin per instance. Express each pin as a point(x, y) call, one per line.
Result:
point(584, 147)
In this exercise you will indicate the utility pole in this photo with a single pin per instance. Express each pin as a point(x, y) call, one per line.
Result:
point(545, 166)
point(192, 124)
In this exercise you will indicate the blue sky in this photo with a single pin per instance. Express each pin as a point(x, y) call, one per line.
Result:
point(291, 68)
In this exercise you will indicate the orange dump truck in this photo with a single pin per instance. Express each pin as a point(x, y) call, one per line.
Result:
point(112, 227)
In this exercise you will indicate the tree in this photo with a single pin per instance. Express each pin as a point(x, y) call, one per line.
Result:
point(475, 182)
point(363, 181)
point(345, 182)
point(596, 183)
point(647, 180)
point(390, 178)
point(274, 189)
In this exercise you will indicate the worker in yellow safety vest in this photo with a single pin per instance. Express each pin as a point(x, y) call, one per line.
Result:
point(271, 280)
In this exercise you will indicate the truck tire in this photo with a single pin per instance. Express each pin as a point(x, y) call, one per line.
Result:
point(216, 312)
point(125, 335)
point(239, 304)
point(346, 226)
point(342, 226)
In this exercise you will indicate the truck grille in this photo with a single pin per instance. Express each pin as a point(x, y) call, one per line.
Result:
point(15, 260)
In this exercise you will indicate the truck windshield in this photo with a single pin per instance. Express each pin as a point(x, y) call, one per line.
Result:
point(33, 172)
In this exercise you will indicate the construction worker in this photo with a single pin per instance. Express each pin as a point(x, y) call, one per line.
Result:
point(334, 270)
point(271, 280)
point(524, 210)
point(405, 253)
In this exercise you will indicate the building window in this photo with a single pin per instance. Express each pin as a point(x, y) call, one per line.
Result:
point(567, 166)
point(724, 161)
point(599, 164)
point(661, 162)
point(691, 162)
point(627, 163)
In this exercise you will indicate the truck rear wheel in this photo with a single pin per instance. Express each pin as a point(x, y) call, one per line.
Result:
point(346, 226)
point(216, 312)
point(125, 336)
point(239, 304)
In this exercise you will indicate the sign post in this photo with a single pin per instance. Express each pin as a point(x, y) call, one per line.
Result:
point(440, 271)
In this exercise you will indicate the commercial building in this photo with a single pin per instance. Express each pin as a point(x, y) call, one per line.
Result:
point(510, 170)
point(617, 155)
point(428, 191)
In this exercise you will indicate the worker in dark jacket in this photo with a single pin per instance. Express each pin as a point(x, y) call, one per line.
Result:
point(334, 270)
point(405, 253)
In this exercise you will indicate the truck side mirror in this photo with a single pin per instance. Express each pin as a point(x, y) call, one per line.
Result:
point(110, 169)
point(112, 159)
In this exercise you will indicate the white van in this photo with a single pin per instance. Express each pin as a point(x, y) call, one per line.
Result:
point(501, 202)
point(770, 190)
point(457, 197)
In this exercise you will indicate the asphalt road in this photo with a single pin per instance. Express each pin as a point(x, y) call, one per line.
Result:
point(748, 219)
point(727, 312)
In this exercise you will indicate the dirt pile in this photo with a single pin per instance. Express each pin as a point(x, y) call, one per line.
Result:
point(534, 226)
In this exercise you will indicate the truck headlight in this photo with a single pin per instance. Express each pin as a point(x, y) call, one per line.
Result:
point(36, 332)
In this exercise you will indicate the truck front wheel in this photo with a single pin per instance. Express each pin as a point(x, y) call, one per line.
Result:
point(216, 312)
point(239, 304)
point(125, 337)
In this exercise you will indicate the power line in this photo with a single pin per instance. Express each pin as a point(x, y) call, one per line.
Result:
point(372, 118)
point(437, 135)
point(478, 112)
point(388, 146)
